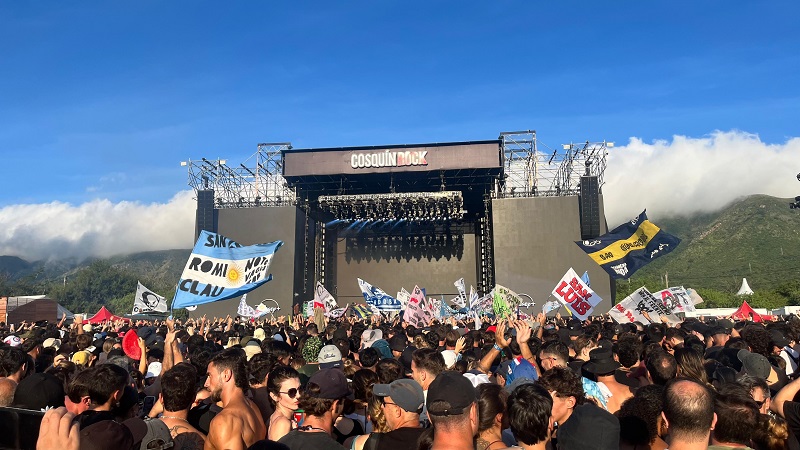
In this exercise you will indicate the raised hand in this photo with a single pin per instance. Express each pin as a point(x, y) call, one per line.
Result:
point(499, 334)
point(523, 331)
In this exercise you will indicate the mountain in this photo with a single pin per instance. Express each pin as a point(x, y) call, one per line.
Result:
point(756, 237)
point(161, 267)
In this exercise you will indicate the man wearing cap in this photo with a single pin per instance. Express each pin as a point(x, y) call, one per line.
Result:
point(329, 357)
point(239, 424)
point(323, 402)
point(402, 403)
point(453, 410)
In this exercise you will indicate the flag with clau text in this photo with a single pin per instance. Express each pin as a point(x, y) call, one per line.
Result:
point(573, 293)
point(220, 268)
point(629, 247)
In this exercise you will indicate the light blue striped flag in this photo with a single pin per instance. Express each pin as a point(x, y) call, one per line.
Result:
point(220, 268)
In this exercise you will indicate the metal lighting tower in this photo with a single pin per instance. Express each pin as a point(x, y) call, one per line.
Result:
point(256, 182)
point(532, 169)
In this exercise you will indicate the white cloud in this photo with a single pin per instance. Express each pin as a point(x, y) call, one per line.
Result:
point(689, 175)
point(678, 177)
point(96, 228)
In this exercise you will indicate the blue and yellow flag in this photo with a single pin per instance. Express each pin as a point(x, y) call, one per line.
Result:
point(360, 311)
point(219, 269)
point(629, 247)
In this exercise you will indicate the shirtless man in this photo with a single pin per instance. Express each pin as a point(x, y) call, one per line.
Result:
point(240, 424)
point(601, 363)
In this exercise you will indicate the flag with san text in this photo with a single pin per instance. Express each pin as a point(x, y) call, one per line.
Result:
point(220, 268)
point(629, 247)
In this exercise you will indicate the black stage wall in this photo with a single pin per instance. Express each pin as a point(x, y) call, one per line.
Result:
point(534, 246)
point(249, 226)
point(432, 267)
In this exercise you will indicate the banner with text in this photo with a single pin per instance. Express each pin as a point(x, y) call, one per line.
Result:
point(573, 293)
point(505, 302)
point(323, 299)
point(376, 297)
point(220, 268)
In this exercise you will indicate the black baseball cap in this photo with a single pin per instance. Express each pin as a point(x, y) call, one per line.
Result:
point(332, 384)
point(451, 393)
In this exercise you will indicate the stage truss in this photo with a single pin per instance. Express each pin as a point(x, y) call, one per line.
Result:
point(256, 182)
point(530, 169)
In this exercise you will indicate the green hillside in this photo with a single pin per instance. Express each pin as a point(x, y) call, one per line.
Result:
point(757, 237)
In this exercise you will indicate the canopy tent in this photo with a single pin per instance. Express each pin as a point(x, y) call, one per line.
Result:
point(745, 312)
point(104, 315)
point(745, 289)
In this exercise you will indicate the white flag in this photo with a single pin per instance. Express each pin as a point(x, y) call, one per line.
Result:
point(147, 301)
point(323, 299)
point(573, 292)
point(244, 309)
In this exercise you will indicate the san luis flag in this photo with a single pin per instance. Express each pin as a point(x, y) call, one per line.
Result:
point(629, 247)
point(220, 268)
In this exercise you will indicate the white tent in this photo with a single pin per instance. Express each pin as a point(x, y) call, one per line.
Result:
point(745, 289)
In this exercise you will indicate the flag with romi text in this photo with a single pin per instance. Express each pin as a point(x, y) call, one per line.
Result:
point(220, 268)
point(629, 247)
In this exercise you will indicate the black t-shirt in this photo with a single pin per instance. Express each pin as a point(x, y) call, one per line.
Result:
point(310, 440)
point(399, 439)
point(791, 412)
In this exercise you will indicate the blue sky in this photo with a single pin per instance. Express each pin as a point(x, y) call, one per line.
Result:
point(100, 101)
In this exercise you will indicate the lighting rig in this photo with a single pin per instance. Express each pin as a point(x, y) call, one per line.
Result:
point(411, 206)
point(796, 204)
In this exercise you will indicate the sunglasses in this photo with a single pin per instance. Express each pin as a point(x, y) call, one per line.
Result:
point(293, 392)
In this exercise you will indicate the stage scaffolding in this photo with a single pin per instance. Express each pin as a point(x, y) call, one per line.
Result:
point(256, 182)
point(530, 169)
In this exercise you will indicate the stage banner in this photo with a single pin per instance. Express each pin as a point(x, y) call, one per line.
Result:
point(147, 301)
point(483, 305)
point(550, 305)
point(220, 268)
point(696, 299)
point(244, 309)
point(377, 298)
point(403, 297)
point(323, 299)
point(416, 315)
point(585, 278)
point(417, 296)
point(263, 309)
point(628, 311)
point(505, 302)
point(336, 313)
point(644, 307)
point(629, 247)
point(676, 299)
point(473, 296)
point(461, 300)
point(573, 293)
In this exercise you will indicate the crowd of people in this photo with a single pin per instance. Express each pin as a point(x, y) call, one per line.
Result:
point(379, 383)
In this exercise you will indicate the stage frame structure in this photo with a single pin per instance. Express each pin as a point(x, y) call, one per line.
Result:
point(530, 169)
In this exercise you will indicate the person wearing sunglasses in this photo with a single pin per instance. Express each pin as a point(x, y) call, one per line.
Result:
point(283, 384)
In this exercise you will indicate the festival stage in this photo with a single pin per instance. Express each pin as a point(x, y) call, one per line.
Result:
point(493, 212)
